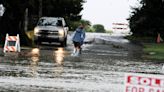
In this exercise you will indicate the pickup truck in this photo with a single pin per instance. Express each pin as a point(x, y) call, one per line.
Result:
point(51, 29)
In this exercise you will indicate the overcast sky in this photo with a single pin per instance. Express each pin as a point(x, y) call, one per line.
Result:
point(106, 12)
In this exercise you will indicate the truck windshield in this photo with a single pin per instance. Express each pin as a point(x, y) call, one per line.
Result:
point(49, 22)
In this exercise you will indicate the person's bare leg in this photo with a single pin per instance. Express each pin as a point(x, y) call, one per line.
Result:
point(77, 50)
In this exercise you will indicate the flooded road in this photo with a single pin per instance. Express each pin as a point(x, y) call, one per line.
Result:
point(100, 68)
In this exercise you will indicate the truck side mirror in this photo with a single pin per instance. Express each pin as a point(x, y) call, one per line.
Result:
point(66, 28)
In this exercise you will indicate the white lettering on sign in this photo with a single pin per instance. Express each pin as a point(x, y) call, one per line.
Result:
point(136, 83)
point(145, 81)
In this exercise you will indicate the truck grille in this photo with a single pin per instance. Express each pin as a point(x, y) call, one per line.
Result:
point(48, 32)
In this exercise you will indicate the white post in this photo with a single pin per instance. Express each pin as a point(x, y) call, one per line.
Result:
point(18, 43)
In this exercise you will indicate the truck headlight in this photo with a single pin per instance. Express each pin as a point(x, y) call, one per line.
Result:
point(36, 30)
point(61, 32)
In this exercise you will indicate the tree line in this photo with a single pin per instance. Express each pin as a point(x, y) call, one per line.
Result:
point(148, 18)
point(145, 20)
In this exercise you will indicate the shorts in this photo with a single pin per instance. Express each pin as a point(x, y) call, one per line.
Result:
point(77, 44)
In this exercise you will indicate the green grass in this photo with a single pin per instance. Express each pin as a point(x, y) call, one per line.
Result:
point(142, 39)
point(154, 51)
point(30, 34)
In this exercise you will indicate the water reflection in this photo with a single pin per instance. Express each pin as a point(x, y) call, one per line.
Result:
point(51, 69)
point(35, 53)
point(58, 71)
point(59, 56)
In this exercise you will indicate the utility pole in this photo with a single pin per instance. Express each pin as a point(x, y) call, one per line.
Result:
point(40, 8)
point(26, 20)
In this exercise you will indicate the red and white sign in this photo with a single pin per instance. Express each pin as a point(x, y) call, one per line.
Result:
point(12, 38)
point(10, 48)
point(144, 83)
point(120, 26)
point(13, 48)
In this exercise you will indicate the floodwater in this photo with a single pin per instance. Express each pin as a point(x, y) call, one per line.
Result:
point(100, 68)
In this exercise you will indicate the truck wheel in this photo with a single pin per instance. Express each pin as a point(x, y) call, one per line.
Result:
point(65, 42)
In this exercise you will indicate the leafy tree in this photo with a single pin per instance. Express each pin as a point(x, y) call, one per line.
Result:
point(69, 9)
point(12, 21)
point(148, 20)
point(87, 25)
point(85, 22)
point(75, 24)
point(99, 28)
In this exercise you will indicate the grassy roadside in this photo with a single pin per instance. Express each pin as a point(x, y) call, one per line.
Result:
point(154, 51)
point(30, 34)
point(151, 49)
